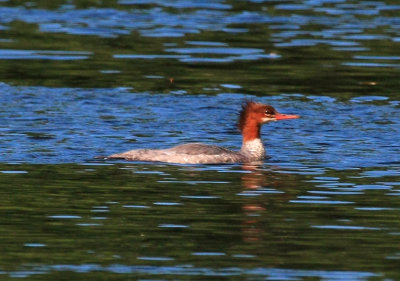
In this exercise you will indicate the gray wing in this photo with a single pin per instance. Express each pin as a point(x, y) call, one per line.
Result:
point(199, 148)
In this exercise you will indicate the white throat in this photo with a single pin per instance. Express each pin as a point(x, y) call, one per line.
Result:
point(254, 148)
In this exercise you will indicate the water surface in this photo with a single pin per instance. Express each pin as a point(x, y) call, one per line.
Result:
point(79, 79)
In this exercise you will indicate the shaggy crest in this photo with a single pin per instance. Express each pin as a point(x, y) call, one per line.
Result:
point(253, 107)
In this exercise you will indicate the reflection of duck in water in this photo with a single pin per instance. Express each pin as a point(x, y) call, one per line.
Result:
point(252, 116)
point(259, 207)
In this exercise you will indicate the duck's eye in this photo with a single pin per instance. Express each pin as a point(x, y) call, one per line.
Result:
point(269, 112)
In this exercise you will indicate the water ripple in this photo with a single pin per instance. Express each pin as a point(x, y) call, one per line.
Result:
point(270, 273)
point(321, 202)
point(345, 227)
point(42, 55)
point(343, 24)
point(345, 135)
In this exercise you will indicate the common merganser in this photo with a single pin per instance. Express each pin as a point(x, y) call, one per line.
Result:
point(252, 116)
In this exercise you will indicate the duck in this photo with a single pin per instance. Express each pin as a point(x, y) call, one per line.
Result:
point(251, 118)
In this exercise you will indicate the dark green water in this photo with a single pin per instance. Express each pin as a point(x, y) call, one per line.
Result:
point(163, 222)
point(86, 78)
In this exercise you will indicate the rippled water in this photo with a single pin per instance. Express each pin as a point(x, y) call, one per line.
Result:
point(81, 79)
point(72, 125)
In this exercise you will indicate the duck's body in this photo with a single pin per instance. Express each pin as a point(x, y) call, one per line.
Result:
point(252, 116)
point(194, 153)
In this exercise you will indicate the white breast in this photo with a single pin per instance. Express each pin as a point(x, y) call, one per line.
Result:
point(255, 148)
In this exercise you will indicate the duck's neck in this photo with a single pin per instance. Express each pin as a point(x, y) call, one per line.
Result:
point(252, 144)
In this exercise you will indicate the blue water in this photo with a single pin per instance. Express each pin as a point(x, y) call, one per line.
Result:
point(70, 125)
